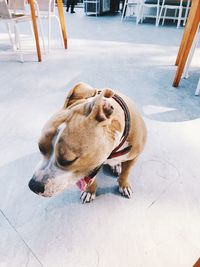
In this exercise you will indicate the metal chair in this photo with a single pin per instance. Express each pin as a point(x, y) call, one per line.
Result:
point(198, 88)
point(148, 4)
point(46, 10)
point(187, 8)
point(16, 6)
point(130, 7)
point(92, 7)
point(176, 7)
point(13, 19)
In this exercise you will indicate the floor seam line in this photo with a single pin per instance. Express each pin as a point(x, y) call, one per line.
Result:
point(29, 248)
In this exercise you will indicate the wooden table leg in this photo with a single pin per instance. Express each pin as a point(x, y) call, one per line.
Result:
point(35, 29)
point(62, 21)
point(186, 34)
point(188, 43)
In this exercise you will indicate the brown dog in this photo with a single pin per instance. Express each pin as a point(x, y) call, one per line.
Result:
point(93, 128)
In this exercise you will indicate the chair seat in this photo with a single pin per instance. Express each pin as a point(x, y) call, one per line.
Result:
point(20, 17)
point(17, 18)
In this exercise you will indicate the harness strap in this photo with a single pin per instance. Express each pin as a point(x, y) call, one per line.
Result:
point(115, 153)
point(120, 153)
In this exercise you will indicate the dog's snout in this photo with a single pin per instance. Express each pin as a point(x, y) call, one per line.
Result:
point(36, 187)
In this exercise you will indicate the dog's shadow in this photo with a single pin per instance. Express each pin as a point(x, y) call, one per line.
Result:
point(109, 181)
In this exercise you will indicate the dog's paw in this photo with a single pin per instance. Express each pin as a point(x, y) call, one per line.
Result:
point(87, 197)
point(126, 191)
point(117, 169)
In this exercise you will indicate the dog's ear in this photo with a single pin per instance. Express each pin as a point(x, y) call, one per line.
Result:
point(101, 109)
point(79, 92)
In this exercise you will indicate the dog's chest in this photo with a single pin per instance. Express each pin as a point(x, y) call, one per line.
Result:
point(117, 160)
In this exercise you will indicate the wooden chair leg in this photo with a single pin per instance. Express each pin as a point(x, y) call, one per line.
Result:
point(187, 48)
point(62, 22)
point(187, 30)
point(35, 29)
point(197, 264)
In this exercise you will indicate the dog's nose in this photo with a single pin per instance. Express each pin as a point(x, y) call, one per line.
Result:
point(36, 187)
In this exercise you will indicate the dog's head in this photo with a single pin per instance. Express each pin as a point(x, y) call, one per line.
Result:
point(75, 141)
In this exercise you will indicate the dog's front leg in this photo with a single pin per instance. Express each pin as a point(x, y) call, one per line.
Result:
point(124, 186)
point(90, 193)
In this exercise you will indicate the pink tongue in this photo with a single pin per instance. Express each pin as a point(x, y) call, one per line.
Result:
point(82, 185)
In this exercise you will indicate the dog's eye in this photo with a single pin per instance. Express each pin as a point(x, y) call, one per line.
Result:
point(63, 162)
point(42, 149)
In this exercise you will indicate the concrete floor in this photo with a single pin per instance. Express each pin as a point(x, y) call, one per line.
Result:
point(160, 225)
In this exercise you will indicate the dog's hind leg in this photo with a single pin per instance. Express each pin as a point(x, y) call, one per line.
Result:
point(90, 193)
point(124, 186)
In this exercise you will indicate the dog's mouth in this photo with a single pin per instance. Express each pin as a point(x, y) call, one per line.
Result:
point(47, 185)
